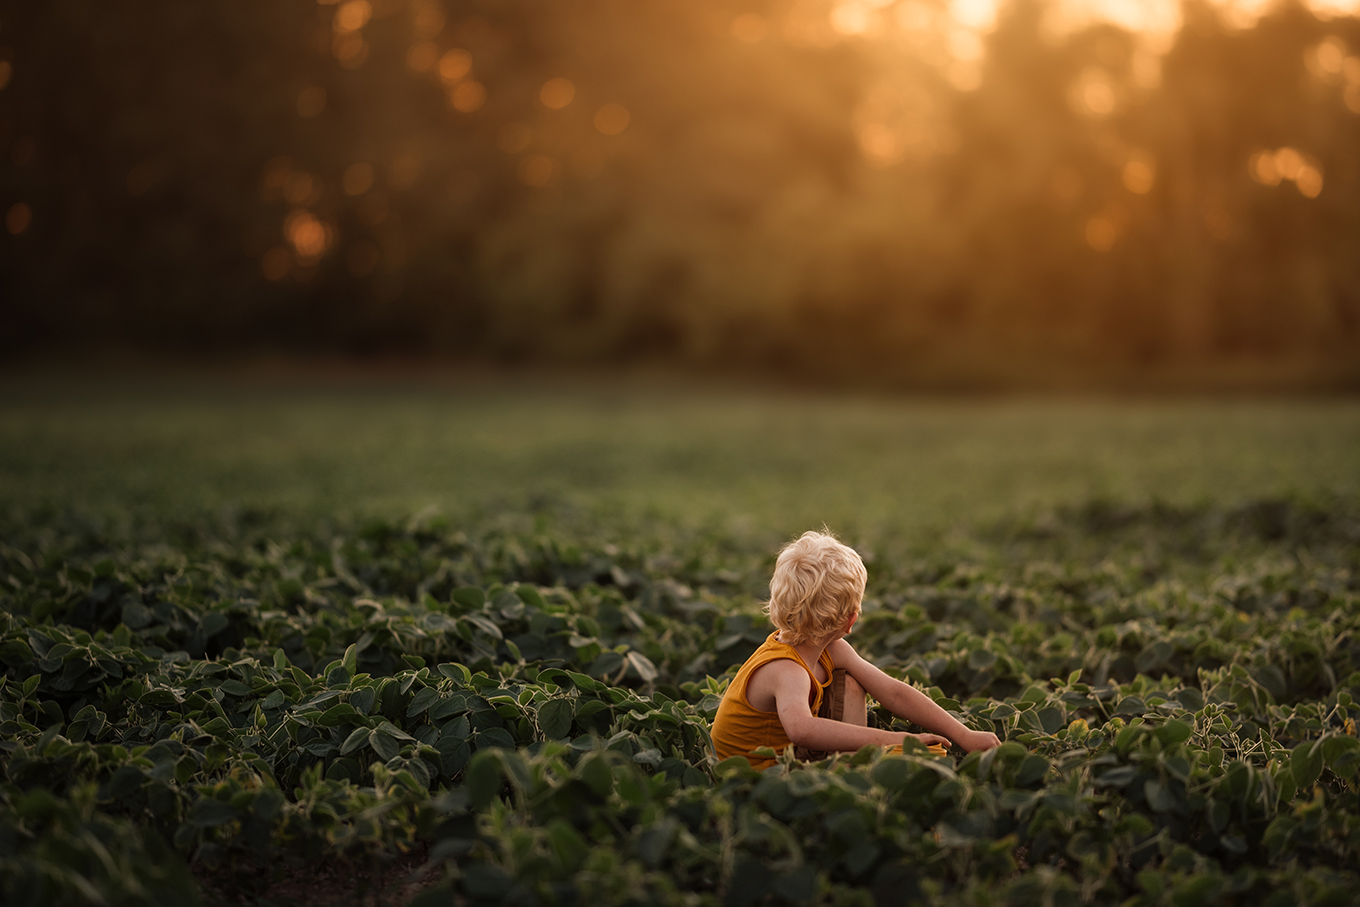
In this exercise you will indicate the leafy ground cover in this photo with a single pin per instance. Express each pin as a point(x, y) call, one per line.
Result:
point(210, 704)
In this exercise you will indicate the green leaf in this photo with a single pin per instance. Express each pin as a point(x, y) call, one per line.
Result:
point(350, 661)
point(384, 745)
point(355, 740)
point(483, 623)
point(1173, 732)
point(584, 682)
point(892, 774)
point(234, 688)
point(1159, 796)
point(1031, 770)
point(392, 730)
point(554, 718)
point(337, 715)
point(642, 665)
point(362, 700)
point(594, 771)
point(470, 597)
point(1305, 763)
point(422, 701)
point(455, 671)
point(495, 737)
point(530, 596)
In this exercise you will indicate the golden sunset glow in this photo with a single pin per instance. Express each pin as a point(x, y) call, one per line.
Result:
point(468, 97)
point(611, 119)
point(352, 15)
point(557, 93)
point(925, 190)
point(455, 64)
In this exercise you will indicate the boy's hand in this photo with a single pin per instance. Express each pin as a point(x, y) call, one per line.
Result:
point(931, 739)
point(973, 741)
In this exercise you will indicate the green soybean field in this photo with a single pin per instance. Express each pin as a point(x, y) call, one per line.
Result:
point(462, 645)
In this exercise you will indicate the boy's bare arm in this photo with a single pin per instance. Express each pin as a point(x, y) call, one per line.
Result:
point(791, 686)
point(906, 701)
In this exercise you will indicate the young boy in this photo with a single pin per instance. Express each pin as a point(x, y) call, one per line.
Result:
point(774, 700)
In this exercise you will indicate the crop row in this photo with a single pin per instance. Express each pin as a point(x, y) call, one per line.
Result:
point(535, 713)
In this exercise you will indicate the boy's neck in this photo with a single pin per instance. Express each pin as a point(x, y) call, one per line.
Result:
point(811, 652)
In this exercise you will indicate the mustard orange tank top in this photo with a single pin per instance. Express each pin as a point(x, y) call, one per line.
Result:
point(738, 728)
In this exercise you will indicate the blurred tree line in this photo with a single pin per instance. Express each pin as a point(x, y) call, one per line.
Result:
point(854, 192)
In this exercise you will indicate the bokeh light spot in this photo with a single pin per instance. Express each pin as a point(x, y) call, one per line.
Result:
point(422, 56)
point(307, 234)
point(611, 119)
point(537, 170)
point(1093, 94)
point(750, 27)
point(557, 93)
point(468, 97)
point(1261, 166)
point(351, 50)
point(1140, 173)
point(353, 15)
point(1289, 162)
point(311, 101)
point(1327, 59)
point(1101, 234)
point(1270, 168)
point(18, 218)
point(358, 179)
point(851, 18)
point(1352, 97)
point(879, 144)
point(455, 64)
point(1309, 181)
point(976, 14)
point(428, 19)
point(276, 263)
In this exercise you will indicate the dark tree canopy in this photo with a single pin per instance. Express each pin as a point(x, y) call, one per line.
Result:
point(698, 182)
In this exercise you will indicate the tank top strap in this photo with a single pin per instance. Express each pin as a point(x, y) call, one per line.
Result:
point(774, 650)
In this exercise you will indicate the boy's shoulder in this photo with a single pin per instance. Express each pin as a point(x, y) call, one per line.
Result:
point(842, 653)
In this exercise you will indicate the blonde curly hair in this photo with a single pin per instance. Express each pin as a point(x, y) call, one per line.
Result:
point(818, 584)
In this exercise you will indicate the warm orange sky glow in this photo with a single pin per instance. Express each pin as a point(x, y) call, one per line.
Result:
point(938, 191)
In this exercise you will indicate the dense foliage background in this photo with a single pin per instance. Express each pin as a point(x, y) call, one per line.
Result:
point(865, 189)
